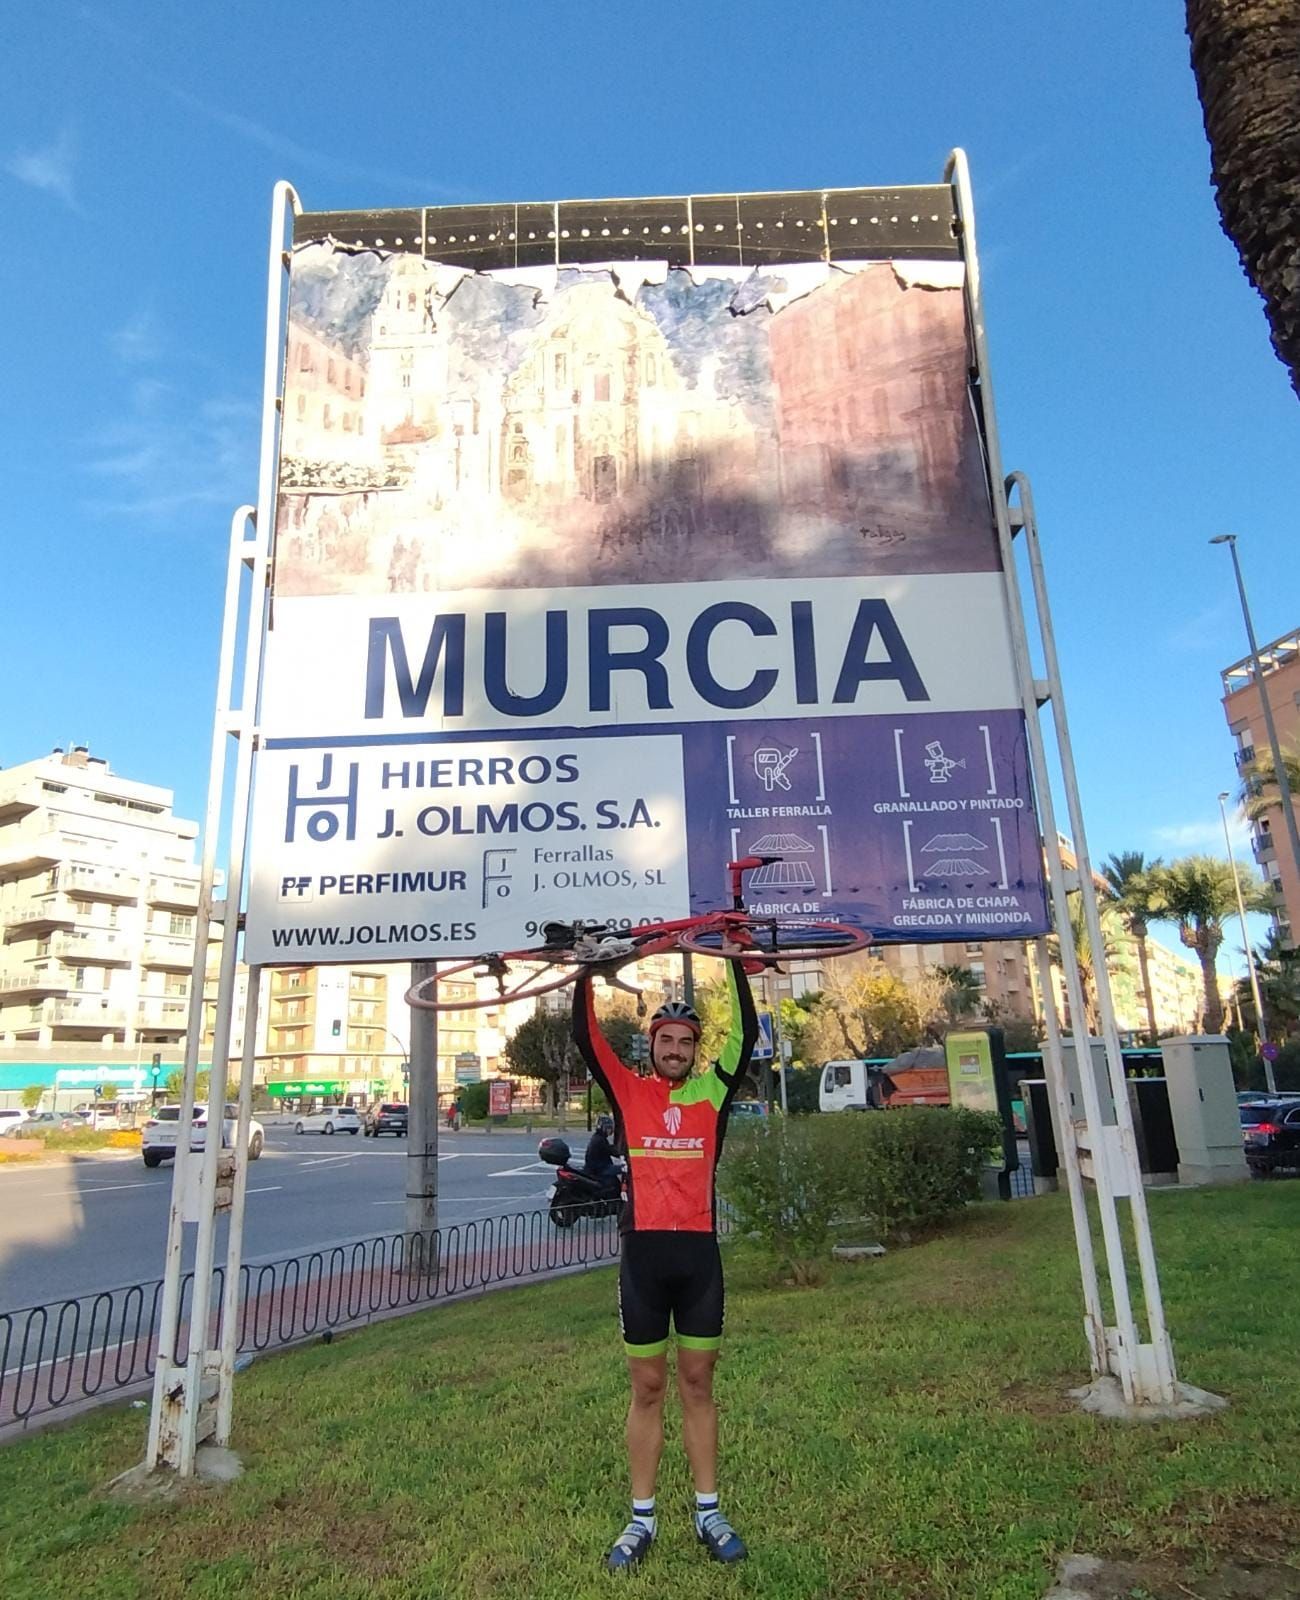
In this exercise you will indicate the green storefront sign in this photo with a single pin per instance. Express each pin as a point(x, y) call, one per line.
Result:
point(278, 1091)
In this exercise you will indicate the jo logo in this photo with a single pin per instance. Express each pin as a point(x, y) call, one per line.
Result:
point(673, 1118)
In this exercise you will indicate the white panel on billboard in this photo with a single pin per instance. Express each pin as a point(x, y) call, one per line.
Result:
point(590, 577)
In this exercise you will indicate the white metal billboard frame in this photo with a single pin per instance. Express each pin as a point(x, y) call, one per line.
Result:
point(193, 1398)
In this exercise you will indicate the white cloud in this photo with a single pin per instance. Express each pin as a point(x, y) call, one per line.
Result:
point(138, 340)
point(48, 168)
point(170, 454)
point(1205, 836)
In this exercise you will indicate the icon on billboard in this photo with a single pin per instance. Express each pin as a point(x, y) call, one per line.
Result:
point(941, 766)
point(778, 875)
point(498, 871)
point(297, 887)
point(322, 818)
point(770, 764)
point(954, 864)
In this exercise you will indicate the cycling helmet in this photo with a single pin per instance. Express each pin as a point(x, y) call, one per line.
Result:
point(676, 1011)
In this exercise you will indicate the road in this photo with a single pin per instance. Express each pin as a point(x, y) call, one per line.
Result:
point(70, 1230)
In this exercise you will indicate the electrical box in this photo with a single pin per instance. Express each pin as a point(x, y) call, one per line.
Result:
point(1097, 1051)
point(1203, 1104)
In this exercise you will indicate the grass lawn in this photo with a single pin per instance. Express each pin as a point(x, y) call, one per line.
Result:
point(898, 1433)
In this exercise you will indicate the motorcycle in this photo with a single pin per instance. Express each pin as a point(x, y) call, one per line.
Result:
point(575, 1194)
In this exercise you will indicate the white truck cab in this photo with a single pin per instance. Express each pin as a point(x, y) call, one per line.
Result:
point(843, 1087)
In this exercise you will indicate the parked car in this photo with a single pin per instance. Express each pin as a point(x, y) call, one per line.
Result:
point(748, 1110)
point(1270, 1133)
point(388, 1117)
point(11, 1121)
point(160, 1133)
point(39, 1122)
point(329, 1119)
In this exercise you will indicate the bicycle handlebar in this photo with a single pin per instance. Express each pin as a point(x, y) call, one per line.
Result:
point(737, 870)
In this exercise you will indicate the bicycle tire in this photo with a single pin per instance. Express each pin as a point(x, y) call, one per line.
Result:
point(527, 986)
point(776, 939)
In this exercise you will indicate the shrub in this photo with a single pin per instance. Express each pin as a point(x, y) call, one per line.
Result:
point(790, 1181)
point(913, 1168)
point(473, 1101)
point(778, 1186)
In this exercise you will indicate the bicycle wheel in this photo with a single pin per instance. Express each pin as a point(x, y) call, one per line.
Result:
point(515, 977)
point(773, 939)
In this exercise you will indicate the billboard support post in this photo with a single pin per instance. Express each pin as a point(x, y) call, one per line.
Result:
point(235, 1241)
point(1145, 1370)
point(422, 1128)
point(188, 1401)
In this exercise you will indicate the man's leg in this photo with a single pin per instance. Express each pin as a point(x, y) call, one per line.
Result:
point(645, 1421)
point(699, 1415)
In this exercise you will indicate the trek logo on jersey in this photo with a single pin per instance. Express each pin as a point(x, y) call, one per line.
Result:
point(654, 1143)
point(673, 1118)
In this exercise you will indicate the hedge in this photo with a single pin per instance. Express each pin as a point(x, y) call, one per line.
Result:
point(792, 1181)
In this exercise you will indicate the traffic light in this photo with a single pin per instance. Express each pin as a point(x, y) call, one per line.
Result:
point(155, 1071)
point(336, 1027)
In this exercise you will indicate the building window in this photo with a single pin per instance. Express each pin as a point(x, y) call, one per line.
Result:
point(325, 420)
point(410, 301)
point(601, 387)
point(650, 371)
point(304, 358)
point(180, 925)
point(559, 369)
point(329, 372)
point(302, 404)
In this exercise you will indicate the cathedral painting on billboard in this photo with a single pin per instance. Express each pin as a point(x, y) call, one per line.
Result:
point(445, 430)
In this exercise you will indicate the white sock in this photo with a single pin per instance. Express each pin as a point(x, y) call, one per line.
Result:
point(643, 1511)
point(705, 1505)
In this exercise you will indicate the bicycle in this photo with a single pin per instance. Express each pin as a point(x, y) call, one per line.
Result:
point(569, 949)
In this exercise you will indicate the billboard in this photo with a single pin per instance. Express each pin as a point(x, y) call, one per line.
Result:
point(597, 563)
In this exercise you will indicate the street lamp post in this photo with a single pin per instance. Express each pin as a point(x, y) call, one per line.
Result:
point(1279, 767)
point(1260, 1021)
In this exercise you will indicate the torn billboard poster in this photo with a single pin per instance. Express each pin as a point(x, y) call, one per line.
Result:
point(590, 577)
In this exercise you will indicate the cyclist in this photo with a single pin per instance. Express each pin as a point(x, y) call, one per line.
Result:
point(669, 1126)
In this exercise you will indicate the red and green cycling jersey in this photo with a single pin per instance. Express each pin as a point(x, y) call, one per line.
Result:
point(671, 1133)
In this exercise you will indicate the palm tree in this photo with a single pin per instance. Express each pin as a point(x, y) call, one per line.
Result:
point(961, 995)
point(1260, 791)
point(1277, 967)
point(1248, 76)
point(1085, 955)
point(1198, 893)
point(1130, 879)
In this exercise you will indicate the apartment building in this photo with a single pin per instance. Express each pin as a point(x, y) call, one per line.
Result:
point(1243, 706)
point(98, 893)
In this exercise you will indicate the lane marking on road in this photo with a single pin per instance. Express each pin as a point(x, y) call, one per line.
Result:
point(106, 1188)
point(265, 1189)
point(515, 1172)
point(320, 1161)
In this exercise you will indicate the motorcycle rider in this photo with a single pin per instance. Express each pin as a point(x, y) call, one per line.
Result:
point(598, 1163)
point(669, 1126)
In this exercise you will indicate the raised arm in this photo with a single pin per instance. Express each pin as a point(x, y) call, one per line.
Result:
point(603, 1064)
point(738, 1047)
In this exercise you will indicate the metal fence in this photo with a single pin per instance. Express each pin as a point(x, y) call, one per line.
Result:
point(69, 1352)
point(77, 1350)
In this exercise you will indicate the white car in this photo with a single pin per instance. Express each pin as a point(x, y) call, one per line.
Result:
point(329, 1119)
point(159, 1135)
point(10, 1120)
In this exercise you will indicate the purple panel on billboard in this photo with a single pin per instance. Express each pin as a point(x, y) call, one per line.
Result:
point(914, 827)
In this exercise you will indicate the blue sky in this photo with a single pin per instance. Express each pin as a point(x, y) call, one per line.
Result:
point(1135, 381)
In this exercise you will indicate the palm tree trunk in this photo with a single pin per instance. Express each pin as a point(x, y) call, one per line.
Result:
point(1248, 75)
point(1144, 967)
point(1210, 982)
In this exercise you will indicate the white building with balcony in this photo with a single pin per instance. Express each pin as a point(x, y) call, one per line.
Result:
point(98, 895)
